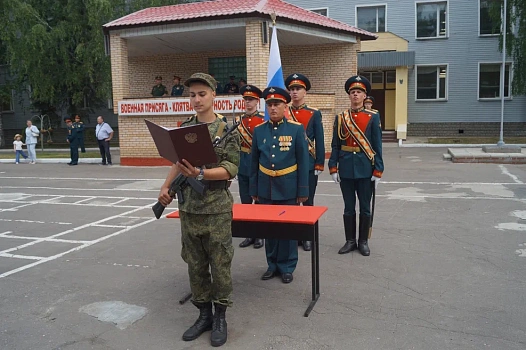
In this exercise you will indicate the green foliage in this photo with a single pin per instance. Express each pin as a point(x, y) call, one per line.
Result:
point(515, 38)
point(57, 47)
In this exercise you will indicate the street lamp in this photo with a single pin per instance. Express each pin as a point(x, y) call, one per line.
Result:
point(502, 75)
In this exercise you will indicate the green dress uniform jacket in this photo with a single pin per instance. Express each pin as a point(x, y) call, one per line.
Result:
point(280, 161)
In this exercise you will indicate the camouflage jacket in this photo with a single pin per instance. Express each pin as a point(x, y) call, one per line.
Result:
point(214, 201)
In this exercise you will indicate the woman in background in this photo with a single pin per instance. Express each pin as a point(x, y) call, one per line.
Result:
point(32, 133)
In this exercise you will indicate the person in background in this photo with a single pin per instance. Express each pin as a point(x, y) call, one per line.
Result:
point(17, 147)
point(159, 90)
point(32, 133)
point(80, 125)
point(368, 104)
point(74, 132)
point(242, 82)
point(231, 87)
point(104, 134)
point(178, 88)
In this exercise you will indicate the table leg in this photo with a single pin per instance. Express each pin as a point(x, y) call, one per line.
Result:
point(185, 298)
point(315, 259)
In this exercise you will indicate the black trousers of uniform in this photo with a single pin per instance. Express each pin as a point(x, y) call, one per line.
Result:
point(361, 187)
point(243, 189)
point(74, 151)
point(104, 147)
point(313, 183)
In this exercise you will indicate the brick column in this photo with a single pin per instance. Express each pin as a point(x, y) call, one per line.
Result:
point(257, 54)
point(120, 73)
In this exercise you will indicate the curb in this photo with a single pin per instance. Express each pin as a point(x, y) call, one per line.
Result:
point(448, 145)
point(53, 161)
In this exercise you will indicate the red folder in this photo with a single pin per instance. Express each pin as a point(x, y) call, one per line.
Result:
point(191, 142)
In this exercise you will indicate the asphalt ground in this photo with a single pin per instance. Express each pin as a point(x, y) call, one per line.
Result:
point(446, 271)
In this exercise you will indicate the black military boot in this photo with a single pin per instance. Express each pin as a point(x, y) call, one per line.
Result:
point(219, 332)
point(203, 323)
point(365, 224)
point(349, 223)
point(246, 242)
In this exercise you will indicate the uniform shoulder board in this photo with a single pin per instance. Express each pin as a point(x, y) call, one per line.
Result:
point(312, 108)
point(371, 110)
point(257, 126)
point(293, 122)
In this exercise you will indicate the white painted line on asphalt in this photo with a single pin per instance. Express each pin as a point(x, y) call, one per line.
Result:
point(79, 189)
point(82, 204)
point(73, 230)
point(110, 226)
point(120, 201)
point(25, 267)
point(436, 183)
point(505, 171)
point(36, 222)
point(16, 256)
point(56, 240)
point(75, 178)
point(84, 200)
point(15, 208)
point(75, 196)
point(3, 234)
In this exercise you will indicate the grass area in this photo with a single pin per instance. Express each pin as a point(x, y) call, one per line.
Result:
point(474, 140)
point(45, 154)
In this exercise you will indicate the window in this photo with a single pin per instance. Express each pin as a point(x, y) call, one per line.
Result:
point(487, 25)
point(431, 82)
point(431, 20)
point(223, 67)
point(489, 80)
point(6, 102)
point(390, 77)
point(322, 11)
point(371, 18)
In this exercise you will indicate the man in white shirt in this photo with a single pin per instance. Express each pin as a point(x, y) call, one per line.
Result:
point(104, 134)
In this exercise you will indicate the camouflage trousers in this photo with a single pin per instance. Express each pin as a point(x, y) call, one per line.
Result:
point(206, 241)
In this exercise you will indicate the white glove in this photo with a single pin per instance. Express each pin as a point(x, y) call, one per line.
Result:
point(336, 177)
point(317, 172)
point(376, 181)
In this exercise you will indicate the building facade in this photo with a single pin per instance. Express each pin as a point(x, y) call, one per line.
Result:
point(452, 60)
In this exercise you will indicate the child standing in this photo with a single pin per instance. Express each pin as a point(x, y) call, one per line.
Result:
point(17, 147)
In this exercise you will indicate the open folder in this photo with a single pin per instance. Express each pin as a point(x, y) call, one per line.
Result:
point(191, 142)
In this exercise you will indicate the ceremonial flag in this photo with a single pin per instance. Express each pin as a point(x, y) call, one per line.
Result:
point(275, 73)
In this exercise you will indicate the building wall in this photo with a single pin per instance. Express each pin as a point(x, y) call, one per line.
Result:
point(462, 51)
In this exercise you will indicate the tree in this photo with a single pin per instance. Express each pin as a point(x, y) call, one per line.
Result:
point(57, 48)
point(515, 38)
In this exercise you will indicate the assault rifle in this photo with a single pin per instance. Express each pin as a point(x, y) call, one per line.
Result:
point(181, 182)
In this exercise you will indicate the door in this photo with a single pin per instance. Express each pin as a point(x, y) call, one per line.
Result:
point(379, 104)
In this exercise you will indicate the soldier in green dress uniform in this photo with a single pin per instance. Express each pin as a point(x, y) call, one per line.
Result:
point(356, 162)
point(279, 175)
point(73, 138)
point(206, 221)
point(368, 103)
point(159, 90)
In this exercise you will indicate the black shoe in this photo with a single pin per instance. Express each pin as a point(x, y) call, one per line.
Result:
point(69, 163)
point(268, 275)
point(72, 163)
point(363, 247)
point(286, 277)
point(246, 242)
point(102, 163)
point(348, 247)
point(219, 327)
point(203, 323)
point(365, 224)
point(307, 246)
point(258, 243)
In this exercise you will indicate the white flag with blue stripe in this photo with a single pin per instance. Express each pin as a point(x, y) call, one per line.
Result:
point(275, 73)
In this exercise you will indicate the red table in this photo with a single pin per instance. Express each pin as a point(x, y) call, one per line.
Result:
point(280, 222)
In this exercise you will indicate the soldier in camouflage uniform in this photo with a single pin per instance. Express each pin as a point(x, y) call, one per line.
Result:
point(206, 221)
point(159, 90)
